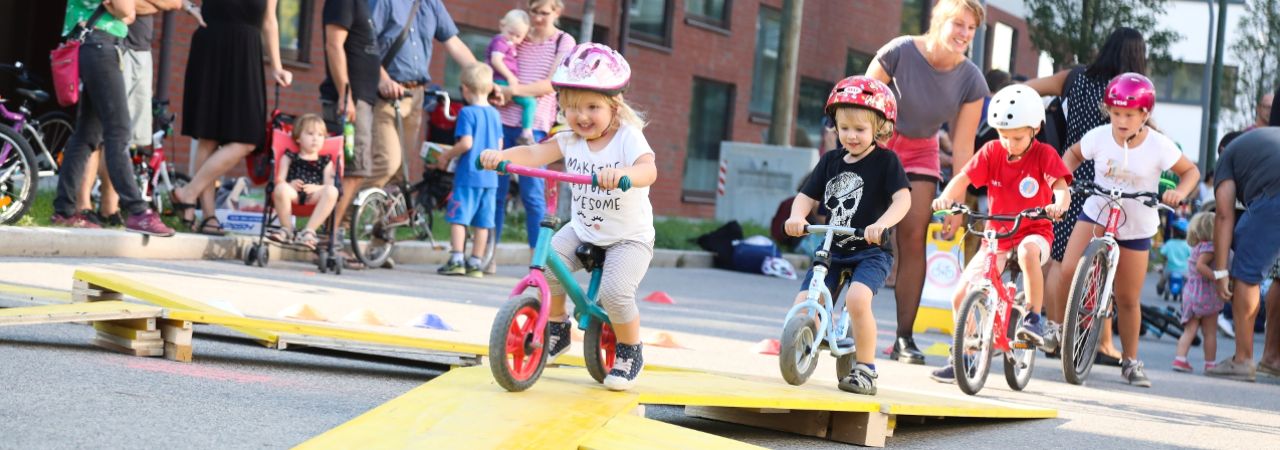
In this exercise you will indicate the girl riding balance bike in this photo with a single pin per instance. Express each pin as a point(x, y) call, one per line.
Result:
point(607, 143)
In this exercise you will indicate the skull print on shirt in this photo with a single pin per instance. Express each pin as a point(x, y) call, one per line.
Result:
point(843, 195)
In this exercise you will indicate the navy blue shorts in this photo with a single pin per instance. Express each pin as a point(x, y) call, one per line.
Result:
point(870, 267)
point(1255, 243)
point(1137, 245)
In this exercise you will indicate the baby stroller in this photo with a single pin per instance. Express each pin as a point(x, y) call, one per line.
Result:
point(328, 257)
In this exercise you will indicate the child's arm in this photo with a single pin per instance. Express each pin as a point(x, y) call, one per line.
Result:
point(1074, 157)
point(496, 60)
point(897, 210)
point(524, 155)
point(1062, 202)
point(800, 208)
point(642, 173)
point(954, 193)
point(1188, 182)
point(283, 170)
point(329, 173)
point(1202, 265)
point(461, 147)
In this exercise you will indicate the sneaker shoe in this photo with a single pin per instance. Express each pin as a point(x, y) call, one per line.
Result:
point(111, 220)
point(1230, 369)
point(1224, 324)
point(147, 223)
point(73, 221)
point(946, 374)
point(627, 362)
point(1049, 340)
point(558, 339)
point(1132, 372)
point(453, 268)
point(1181, 365)
point(1210, 364)
point(1032, 332)
point(904, 350)
point(473, 268)
point(861, 380)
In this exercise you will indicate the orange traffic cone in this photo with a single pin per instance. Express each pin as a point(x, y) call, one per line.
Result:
point(302, 311)
point(662, 339)
point(767, 347)
point(363, 316)
point(660, 297)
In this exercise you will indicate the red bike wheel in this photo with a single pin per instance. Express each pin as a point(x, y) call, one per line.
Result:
point(516, 358)
point(600, 347)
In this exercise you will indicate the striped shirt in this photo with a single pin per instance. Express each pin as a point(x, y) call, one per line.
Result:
point(537, 62)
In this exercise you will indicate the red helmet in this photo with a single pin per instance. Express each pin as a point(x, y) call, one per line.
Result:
point(1131, 90)
point(866, 92)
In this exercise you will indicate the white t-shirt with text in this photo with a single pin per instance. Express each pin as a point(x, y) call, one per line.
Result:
point(605, 217)
point(1135, 170)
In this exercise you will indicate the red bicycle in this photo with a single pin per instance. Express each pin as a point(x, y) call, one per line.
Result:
point(990, 313)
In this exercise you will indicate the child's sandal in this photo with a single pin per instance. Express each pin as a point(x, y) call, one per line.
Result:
point(279, 235)
point(306, 238)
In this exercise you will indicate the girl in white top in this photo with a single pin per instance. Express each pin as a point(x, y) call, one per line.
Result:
point(606, 141)
point(1128, 156)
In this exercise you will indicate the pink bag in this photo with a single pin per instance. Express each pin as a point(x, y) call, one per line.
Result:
point(66, 63)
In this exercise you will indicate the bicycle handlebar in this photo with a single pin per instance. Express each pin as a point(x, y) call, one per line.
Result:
point(1150, 199)
point(444, 96)
point(505, 167)
point(1029, 213)
point(847, 231)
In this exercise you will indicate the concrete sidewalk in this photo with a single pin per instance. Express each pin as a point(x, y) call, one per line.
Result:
point(82, 243)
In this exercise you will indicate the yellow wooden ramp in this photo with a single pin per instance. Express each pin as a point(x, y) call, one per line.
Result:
point(77, 312)
point(159, 297)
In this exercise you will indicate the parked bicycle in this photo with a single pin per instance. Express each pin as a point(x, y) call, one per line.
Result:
point(47, 135)
point(988, 318)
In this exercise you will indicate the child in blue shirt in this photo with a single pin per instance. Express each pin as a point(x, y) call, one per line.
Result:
point(474, 191)
point(1176, 254)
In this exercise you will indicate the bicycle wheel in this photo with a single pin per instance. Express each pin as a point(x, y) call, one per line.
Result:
point(599, 347)
point(160, 193)
point(1084, 320)
point(797, 356)
point(514, 359)
point(1019, 363)
point(55, 130)
point(371, 240)
point(18, 176)
point(971, 343)
point(424, 220)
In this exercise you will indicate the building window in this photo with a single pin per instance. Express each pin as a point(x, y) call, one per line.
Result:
point(599, 34)
point(1004, 41)
point(764, 74)
point(914, 17)
point(709, 118)
point(477, 41)
point(813, 102)
point(294, 17)
point(650, 21)
point(1184, 84)
point(712, 12)
point(856, 63)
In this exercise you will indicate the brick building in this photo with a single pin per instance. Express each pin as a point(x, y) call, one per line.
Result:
point(704, 69)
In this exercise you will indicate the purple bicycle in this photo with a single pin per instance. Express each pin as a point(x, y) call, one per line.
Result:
point(19, 171)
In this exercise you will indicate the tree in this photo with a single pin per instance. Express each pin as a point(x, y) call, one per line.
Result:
point(1257, 49)
point(1073, 31)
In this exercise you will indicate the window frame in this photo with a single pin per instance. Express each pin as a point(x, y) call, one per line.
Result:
point(722, 23)
point(753, 114)
point(599, 33)
point(804, 82)
point(1165, 84)
point(925, 6)
point(848, 58)
point(661, 41)
point(697, 196)
point(302, 54)
point(1013, 47)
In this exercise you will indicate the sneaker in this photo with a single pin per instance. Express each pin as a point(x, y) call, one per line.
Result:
point(147, 223)
point(904, 350)
point(558, 339)
point(110, 220)
point(453, 268)
point(1210, 364)
point(1049, 340)
point(1181, 365)
point(73, 221)
point(1224, 324)
point(627, 362)
point(946, 374)
point(1032, 332)
point(861, 380)
point(1131, 370)
point(1230, 369)
point(473, 268)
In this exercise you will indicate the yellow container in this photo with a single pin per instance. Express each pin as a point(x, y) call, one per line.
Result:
point(944, 264)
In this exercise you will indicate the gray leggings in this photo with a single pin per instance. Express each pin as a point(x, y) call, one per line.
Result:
point(623, 269)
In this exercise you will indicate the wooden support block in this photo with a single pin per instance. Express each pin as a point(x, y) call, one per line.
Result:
point(862, 428)
point(179, 353)
point(125, 332)
point(146, 324)
point(176, 332)
point(131, 343)
point(82, 291)
point(153, 351)
point(805, 422)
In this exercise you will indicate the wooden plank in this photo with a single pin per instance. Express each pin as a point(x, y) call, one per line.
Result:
point(454, 360)
point(308, 329)
point(176, 331)
point(149, 352)
point(32, 293)
point(803, 422)
point(629, 432)
point(148, 323)
point(861, 428)
point(125, 332)
point(77, 312)
point(179, 353)
point(131, 343)
point(159, 297)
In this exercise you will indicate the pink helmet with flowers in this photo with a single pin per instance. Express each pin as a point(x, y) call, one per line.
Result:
point(593, 67)
point(1131, 90)
point(866, 92)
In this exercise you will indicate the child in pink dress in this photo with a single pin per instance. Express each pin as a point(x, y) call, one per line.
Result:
point(1200, 304)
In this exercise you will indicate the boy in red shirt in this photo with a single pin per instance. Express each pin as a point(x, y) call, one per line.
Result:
point(1020, 173)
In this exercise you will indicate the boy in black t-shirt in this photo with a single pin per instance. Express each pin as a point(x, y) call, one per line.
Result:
point(863, 187)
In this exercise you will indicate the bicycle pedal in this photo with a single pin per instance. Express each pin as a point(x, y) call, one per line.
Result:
point(1022, 345)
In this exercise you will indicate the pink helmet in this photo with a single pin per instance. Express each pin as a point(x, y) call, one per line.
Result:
point(866, 92)
point(594, 67)
point(1131, 90)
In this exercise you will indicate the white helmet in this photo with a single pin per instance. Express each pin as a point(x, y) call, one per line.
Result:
point(594, 67)
point(1015, 106)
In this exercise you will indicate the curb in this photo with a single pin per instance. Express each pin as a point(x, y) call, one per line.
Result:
point(81, 243)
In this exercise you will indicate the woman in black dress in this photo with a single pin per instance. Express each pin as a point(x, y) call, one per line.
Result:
point(224, 105)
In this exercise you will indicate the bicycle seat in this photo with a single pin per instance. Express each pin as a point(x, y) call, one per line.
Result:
point(37, 95)
point(591, 256)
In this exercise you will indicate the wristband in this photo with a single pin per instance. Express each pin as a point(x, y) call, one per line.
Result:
point(1220, 274)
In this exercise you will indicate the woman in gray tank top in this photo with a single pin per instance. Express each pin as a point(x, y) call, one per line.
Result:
point(935, 83)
